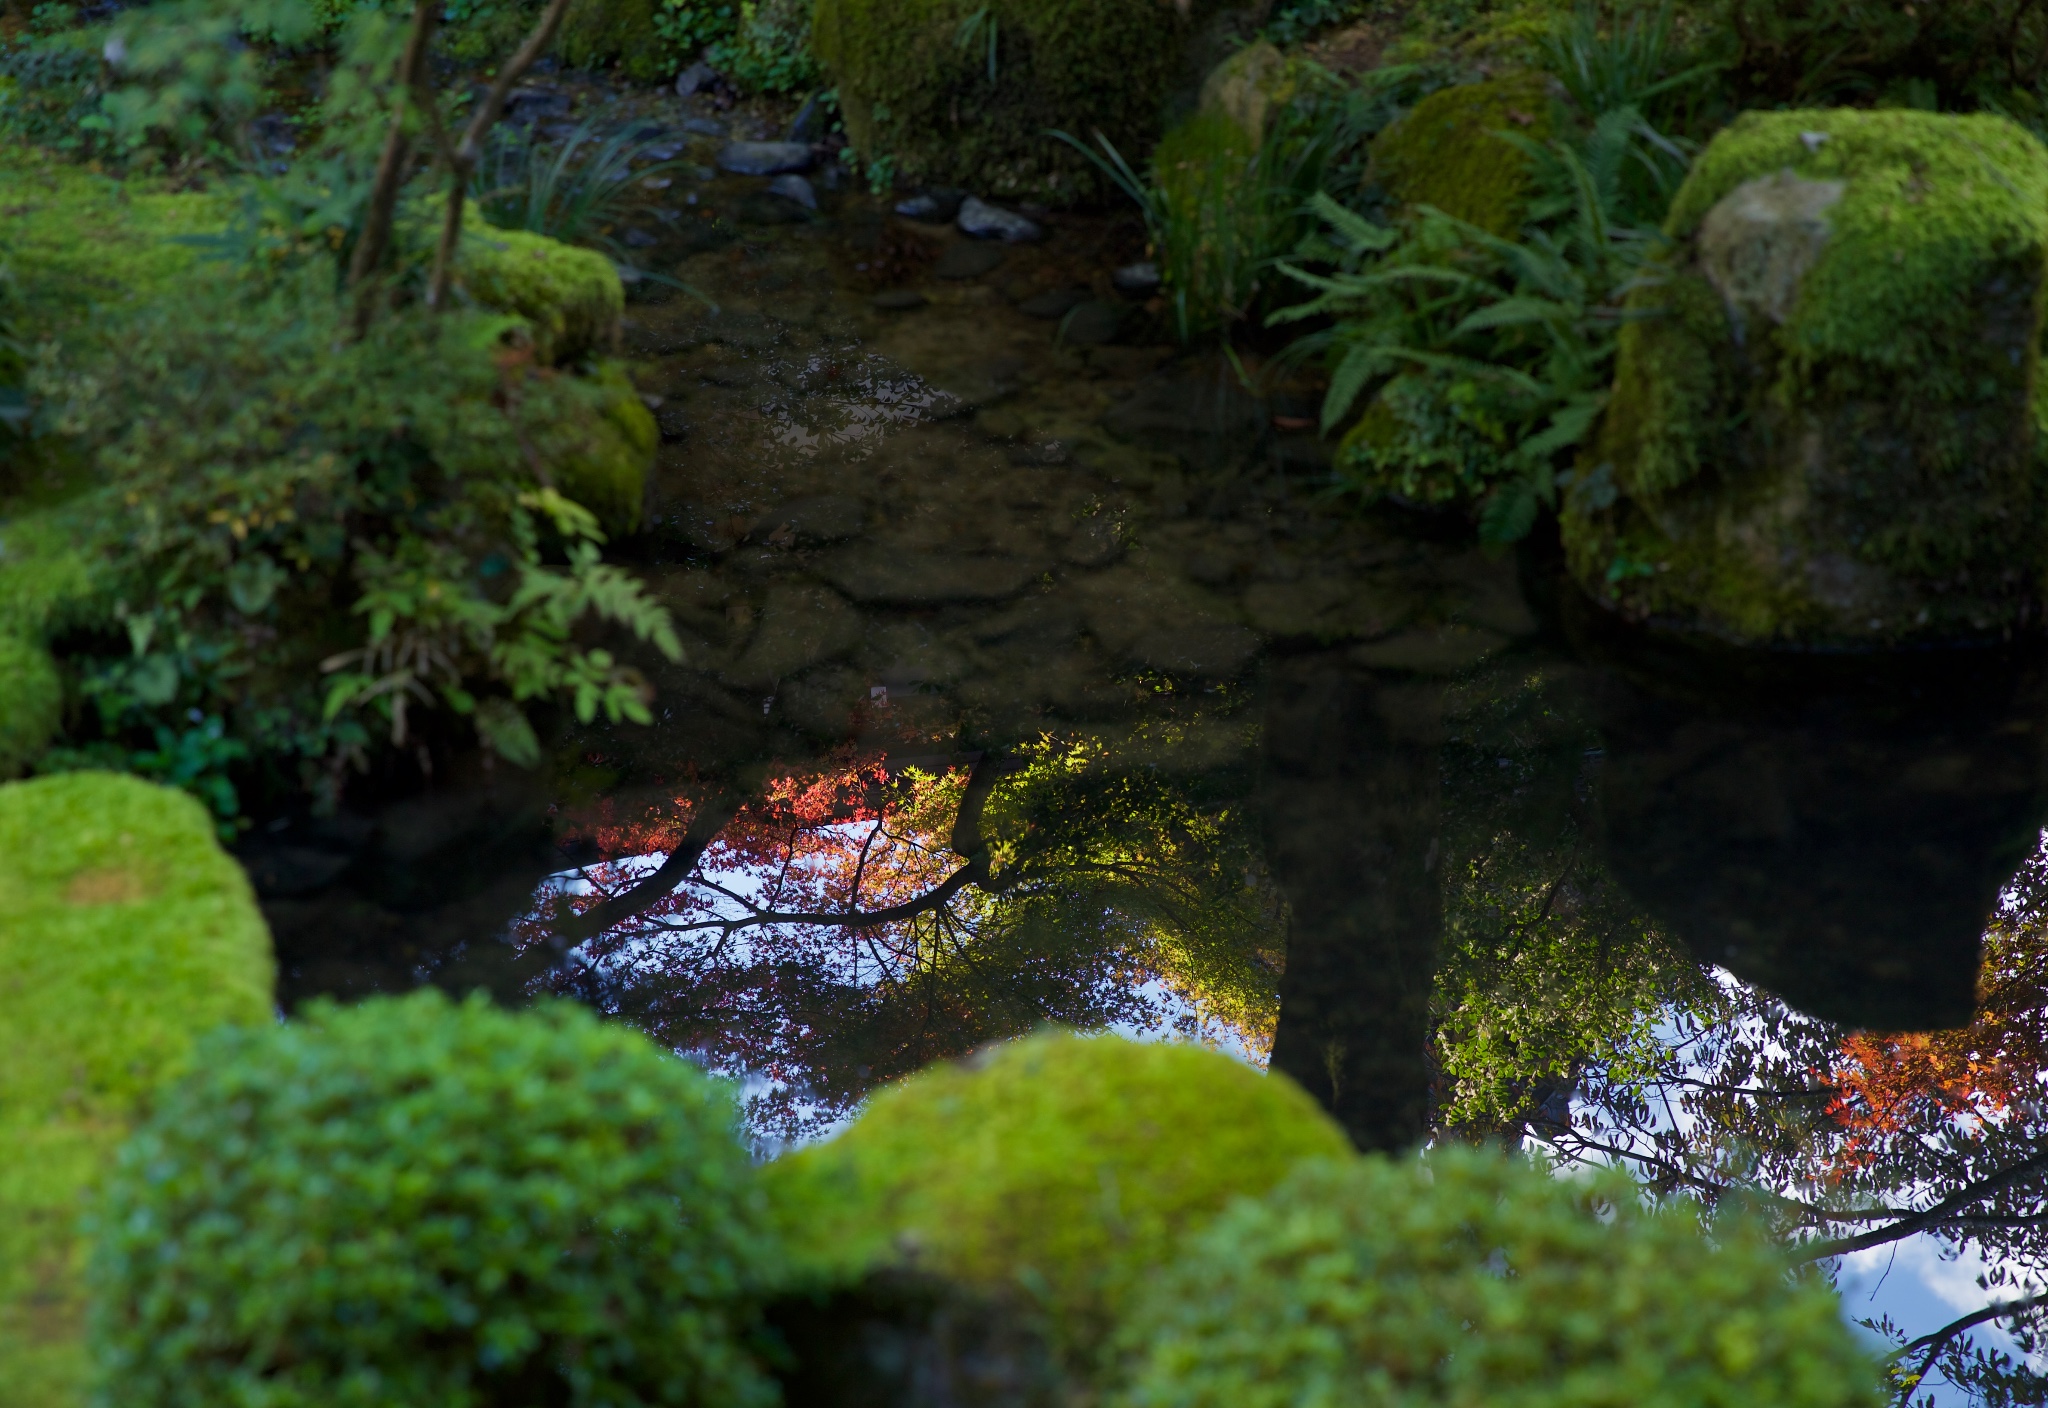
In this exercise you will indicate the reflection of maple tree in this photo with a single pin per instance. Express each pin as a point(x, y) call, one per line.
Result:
point(852, 923)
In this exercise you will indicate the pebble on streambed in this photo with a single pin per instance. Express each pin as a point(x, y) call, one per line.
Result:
point(990, 222)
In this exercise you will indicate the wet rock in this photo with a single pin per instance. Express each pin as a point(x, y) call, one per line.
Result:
point(1055, 304)
point(1331, 608)
point(967, 261)
point(525, 105)
point(991, 222)
point(936, 207)
point(706, 127)
point(1096, 543)
point(1205, 652)
point(761, 208)
point(1138, 279)
point(801, 625)
point(639, 239)
point(1430, 650)
point(898, 300)
point(880, 575)
point(792, 187)
point(694, 79)
point(826, 518)
point(1091, 324)
point(809, 123)
point(764, 158)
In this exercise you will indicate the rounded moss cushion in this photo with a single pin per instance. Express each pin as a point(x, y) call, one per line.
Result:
point(1472, 1279)
point(125, 932)
point(411, 1201)
point(1447, 151)
point(1061, 1167)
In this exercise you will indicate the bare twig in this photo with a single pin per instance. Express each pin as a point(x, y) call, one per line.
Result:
point(1939, 1215)
point(462, 161)
point(1939, 1340)
point(375, 238)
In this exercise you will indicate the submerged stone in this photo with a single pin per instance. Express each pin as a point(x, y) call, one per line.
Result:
point(935, 207)
point(967, 261)
point(795, 188)
point(1823, 429)
point(764, 158)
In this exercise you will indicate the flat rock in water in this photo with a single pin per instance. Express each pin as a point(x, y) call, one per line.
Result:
point(991, 222)
point(764, 158)
point(1090, 324)
point(898, 300)
point(1205, 652)
point(875, 574)
point(967, 261)
point(796, 188)
point(706, 127)
point(1430, 650)
point(697, 76)
point(823, 518)
point(936, 207)
point(1056, 304)
point(800, 626)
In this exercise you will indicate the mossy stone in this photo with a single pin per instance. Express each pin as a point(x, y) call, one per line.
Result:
point(571, 297)
point(1059, 1169)
point(915, 87)
point(31, 702)
point(125, 933)
point(604, 464)
point(1447, 151)
point(1823, 430)
point(599, 32)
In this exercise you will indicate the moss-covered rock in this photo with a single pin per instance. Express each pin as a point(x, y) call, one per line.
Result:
point(125, 933)
point(596, 33)
point(915, 82)
point(604, 465)
point(1059, 1169)
point(571, 297)
point(1823, 423)
point(1447, 150)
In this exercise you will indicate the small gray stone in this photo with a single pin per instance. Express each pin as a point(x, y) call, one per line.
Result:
point(1090, 324)
point(1056, 304)
point(640, 239)
point(1137, 279)
point(809, 123)
point(898, 300)
point(705, 127)
point(764, 158)
point(697, 76)
point(796, 188)
point(989, 222)
point(967, 261)
point(937, 207)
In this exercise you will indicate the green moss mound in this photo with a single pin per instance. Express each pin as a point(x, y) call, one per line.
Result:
point(599, 32)
point(1060, 1168)
point(76, 239)
point(1822, 424)
point(125, 933)
point(31, 703)
point(1468, 1279)
point(1447, 151)
point(413, 1201)
point(915, 86)
point(604, 464)
point(570, 297)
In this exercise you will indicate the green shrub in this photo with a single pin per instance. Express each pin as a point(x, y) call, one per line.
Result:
point(125, 932)
point(1060, 1169)
point(1471, 1279)
point(31, 702)
point(920, 82)
point(417, 1202)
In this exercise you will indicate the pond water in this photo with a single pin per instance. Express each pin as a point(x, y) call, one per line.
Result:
point(1033, 675)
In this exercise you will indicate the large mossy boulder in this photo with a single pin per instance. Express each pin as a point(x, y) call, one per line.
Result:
point(1824, 427)
point(1060, 1171)
point(963, 93)
point(125, 933)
